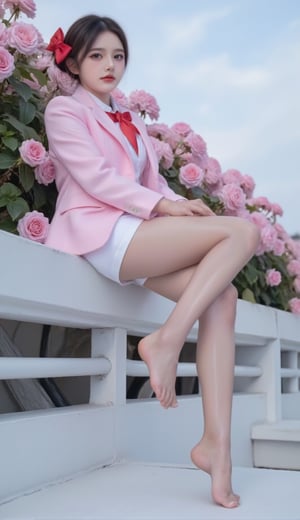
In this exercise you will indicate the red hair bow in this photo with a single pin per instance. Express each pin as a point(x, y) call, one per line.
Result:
point(58, 47)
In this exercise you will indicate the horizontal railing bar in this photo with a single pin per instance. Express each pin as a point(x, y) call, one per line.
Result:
point(290, 348)
point(290, 372)
point(33, 368)
point(139, 369)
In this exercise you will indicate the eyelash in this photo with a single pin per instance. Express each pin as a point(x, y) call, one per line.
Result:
point(118, 57)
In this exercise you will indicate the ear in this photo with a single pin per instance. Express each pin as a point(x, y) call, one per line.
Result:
point(72, 66)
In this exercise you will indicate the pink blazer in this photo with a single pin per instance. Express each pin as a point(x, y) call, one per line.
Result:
point(95, 174)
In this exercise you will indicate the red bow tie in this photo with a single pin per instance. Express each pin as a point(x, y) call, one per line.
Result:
point(126, 126)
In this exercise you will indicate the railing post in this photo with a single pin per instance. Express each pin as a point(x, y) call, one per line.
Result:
point(112, 344)
point(270, 380)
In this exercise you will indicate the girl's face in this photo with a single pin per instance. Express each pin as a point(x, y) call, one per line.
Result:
point(103, 67)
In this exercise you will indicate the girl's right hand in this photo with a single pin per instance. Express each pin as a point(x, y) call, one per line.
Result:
point(182, 208)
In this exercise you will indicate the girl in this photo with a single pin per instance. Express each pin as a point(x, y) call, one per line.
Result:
point(114, 209)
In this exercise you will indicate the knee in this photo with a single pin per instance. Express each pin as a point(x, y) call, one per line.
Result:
point(227, 302)
point(250, 235)
point(229, 297)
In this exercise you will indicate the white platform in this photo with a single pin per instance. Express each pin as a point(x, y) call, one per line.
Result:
point(139, 491)
point(277, 445)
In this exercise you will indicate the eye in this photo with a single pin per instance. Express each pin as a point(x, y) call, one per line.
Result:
point(119, 56)
point(96, 55)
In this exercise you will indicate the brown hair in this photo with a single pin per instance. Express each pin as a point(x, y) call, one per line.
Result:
point(83, 33)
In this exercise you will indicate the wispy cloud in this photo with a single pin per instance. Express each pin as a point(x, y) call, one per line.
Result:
point(187, 30)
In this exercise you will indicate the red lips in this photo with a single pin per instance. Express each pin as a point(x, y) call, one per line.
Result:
point(108, 78)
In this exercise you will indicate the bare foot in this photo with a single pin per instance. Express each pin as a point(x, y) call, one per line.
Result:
point(162, 365)
point(216, 462)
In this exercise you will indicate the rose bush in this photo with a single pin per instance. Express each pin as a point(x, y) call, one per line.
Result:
point(29, 78)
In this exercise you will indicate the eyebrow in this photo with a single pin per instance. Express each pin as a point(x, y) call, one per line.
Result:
point(103, 49)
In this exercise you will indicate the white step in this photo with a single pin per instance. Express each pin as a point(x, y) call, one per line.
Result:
point(136, 491)
point(277, 445)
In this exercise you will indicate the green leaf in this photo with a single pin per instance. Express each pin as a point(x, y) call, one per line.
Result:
point(26, 131)
point(2, 129)
point(8, 193)
point(10, 142)
point(27, 112)
point(180, 190)
point(171, 173)
point(250, 273)
point(39, 75)
point(8, 225)
point(6, 160)
point(17, 208)
point(265, 298)
point(40, 195)
point(248, 295)
point(21, 88)
point(26, 176)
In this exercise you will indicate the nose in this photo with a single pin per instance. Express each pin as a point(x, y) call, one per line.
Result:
point(109, 63)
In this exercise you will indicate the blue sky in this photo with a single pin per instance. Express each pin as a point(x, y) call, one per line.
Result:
point(229, 68)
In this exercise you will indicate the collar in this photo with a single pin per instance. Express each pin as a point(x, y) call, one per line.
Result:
point(107, 108)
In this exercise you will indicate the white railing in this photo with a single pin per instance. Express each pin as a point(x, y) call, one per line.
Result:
point(32, 368)
point(41, 286)
point(268, 343)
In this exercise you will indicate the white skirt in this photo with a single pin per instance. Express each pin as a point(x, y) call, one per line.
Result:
point(107, 259)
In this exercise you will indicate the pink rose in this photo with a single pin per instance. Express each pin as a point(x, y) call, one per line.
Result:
point(26, 6)
point(167, 156)
point(296, 284)
point(277, 209)
point(163, 152)
point(191, 175)
point(185, 158)
point(294, 305)
point(292, 246)
point(233, 197)
point(34, 225)
point(146, 104)
point(268, 237)
point(273, 277)
point(281, 231)
point(120, 98)
point(45, 172)
point(42, 61)
point(196, 144)
point(182, 129)
point(261, 202)
point(259, 219)
point(66, 84)
point(293, 268)
point(213, 171)
point(232, 177)
point(279, 247)
point(32, 152)
point(7, 64)
point(25, 38)
point(3, 35)
point(248, 185)
point(2, 11)
point(163, 132)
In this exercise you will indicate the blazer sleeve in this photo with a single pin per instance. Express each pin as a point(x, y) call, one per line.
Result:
point(74, 147)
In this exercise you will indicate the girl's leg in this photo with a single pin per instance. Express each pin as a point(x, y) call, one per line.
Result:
point(218, 247)
point(215, 365)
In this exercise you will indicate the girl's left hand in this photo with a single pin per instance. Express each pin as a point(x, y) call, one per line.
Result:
point(181, 208)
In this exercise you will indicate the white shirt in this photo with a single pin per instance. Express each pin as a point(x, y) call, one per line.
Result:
point(139, 160)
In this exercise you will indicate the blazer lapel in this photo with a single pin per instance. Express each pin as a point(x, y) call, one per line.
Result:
point(84, 97)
